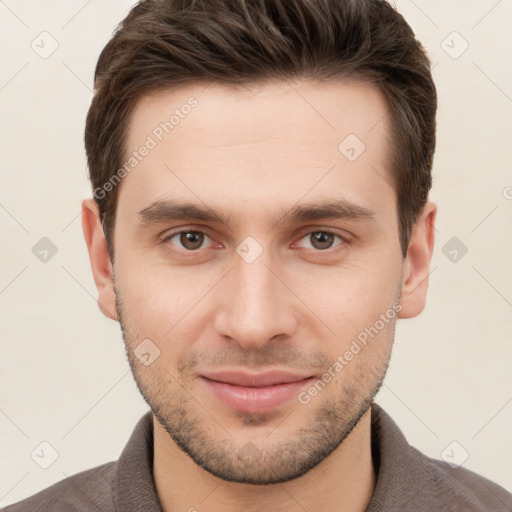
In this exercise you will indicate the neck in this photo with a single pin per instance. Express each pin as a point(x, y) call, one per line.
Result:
point(343, 482)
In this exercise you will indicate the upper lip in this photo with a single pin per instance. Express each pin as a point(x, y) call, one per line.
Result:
point(269, 378)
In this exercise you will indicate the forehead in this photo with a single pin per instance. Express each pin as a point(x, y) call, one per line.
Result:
point(251, 147)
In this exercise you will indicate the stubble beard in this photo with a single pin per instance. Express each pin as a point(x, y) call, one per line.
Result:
point(200, 436)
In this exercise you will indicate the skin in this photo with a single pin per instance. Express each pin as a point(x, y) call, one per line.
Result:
point(252, 155)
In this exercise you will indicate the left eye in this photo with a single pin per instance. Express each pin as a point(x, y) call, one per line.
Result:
point(321, 240)
point(189, 240)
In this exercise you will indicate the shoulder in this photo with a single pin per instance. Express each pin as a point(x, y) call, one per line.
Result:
point(410, 480)
point(454, 487)
point(88, 490)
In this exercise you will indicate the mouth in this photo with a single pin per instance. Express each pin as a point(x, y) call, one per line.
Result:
point(255, 393)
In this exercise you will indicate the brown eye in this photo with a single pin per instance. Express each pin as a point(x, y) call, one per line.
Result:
point(322, 240)
point(189, 240)
point(192, 239)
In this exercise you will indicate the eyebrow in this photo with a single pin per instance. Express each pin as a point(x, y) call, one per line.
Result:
point(167, 210)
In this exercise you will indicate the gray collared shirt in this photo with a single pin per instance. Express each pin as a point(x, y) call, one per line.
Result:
point(407, 480)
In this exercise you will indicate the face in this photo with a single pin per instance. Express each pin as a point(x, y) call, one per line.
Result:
point(258, 270)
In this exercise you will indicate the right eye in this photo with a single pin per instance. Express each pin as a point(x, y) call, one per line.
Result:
point(188, 240)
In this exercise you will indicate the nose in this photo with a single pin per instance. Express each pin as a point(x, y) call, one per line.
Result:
point(256, 306)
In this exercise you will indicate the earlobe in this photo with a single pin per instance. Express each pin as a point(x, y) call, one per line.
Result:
point(99, 257)
point(416, 266)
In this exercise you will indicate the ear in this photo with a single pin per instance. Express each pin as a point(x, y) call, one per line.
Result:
point(100, 258)
point(416, 265)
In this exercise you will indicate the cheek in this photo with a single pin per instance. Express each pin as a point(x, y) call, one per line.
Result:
point(160, 302)
point(351, 297)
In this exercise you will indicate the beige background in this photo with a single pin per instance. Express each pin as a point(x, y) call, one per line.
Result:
point(64, 377)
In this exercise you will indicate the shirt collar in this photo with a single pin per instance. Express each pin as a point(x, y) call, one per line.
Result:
point(401, 470)
point(134, 486)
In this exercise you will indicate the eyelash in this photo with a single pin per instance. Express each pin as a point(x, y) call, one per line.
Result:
point(344, 240)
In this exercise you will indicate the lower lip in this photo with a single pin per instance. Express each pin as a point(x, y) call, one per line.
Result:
point(255, 399)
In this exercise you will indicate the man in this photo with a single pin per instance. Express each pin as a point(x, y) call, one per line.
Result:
point(261, 171)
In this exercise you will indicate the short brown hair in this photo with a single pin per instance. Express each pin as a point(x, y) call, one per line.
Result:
point(163, 43)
